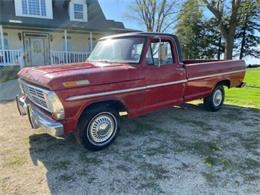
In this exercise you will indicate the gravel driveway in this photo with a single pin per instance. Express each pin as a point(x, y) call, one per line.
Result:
point(175, 151)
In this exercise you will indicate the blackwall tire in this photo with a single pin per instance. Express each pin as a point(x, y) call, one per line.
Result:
point(215, 100)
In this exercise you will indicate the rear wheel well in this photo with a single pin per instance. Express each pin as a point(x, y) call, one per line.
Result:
point(224, 83)
point(117, 105)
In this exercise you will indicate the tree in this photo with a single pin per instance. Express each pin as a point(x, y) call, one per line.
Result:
point(227, 22)
point(188, 28)
point(248, 40)
point(156, 15)
point(213, 46)
point(200, 38)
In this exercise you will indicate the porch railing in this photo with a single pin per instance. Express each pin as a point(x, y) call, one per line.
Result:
point(10, 57)
point(63, 57)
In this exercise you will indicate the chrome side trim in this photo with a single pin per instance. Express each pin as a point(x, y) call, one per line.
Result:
point(80, 97)
point(214, 75)
point(212, 62)
point(73, 98)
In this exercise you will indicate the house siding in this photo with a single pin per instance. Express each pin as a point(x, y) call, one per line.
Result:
point(79, 42)
point(13, 40)
point(41, 49)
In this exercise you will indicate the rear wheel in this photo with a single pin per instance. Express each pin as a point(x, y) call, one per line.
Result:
point(216, 99)
point(98, 127)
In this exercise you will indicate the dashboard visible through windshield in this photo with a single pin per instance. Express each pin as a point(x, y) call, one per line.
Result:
point(118, 50)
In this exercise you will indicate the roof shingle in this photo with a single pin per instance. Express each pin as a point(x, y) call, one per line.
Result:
point(61, 20)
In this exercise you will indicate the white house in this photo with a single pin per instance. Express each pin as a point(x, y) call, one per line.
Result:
point(40, 32)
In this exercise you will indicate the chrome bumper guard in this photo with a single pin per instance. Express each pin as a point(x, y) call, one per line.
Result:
point(37, 118)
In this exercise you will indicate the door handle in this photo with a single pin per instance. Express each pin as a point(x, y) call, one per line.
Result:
point(180, 69)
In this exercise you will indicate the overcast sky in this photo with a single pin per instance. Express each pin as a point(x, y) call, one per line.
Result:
point(118, 9)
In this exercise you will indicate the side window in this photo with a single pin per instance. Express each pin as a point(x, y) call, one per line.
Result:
point(160, 52)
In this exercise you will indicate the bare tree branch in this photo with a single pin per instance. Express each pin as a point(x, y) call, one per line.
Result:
point(156, 15)
point(227, 24)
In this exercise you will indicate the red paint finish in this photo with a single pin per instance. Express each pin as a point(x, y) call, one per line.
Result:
point(198, 78)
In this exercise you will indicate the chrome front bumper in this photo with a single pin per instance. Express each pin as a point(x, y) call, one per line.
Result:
point(37, 118)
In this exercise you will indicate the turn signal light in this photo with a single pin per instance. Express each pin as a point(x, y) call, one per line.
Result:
point(75, 83)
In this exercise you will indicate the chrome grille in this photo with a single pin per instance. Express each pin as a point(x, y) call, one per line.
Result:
point(36, 94)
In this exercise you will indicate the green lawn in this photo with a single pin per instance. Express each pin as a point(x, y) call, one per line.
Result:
point(248, 96)
point(8, 73)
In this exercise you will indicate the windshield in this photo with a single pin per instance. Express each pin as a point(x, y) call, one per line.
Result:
point(118, 50)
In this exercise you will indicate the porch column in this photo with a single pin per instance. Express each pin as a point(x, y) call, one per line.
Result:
point(2, 42)
point(21, 58)
point(91, 41)
point(66, 45)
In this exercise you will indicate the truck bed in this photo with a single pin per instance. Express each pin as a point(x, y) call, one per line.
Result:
point(209, 68)
point(203, 74)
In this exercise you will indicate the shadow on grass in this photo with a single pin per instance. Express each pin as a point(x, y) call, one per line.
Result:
point(151, 149)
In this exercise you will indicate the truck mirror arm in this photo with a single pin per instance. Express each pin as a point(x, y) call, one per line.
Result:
point(159, 51)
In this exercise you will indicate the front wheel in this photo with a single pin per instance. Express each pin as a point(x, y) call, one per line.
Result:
point(98, 128)
point(216, 99)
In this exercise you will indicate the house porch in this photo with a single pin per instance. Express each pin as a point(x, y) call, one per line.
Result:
point(32, 47)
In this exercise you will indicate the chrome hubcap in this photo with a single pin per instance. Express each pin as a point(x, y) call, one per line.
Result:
point(102, 127)
point(217, 97)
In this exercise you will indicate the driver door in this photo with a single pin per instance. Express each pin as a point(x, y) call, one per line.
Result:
point(164, 76)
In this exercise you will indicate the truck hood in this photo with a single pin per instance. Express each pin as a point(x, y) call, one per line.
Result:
point(97, 73)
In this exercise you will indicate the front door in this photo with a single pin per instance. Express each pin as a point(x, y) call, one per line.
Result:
point(165, 77)
point(36, 47)
point(37, 51)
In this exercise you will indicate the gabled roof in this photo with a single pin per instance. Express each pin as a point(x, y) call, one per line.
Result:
point(61, 19)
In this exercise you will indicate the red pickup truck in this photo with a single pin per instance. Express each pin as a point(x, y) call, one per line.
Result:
point(127, 74)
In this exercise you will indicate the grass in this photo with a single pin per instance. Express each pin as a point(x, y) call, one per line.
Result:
point(248, 96)
point(8, 73)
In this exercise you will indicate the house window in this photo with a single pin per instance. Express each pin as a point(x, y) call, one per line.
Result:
point(24, 7)
point(34, 8)
point(43, 7)
point(78, 11)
